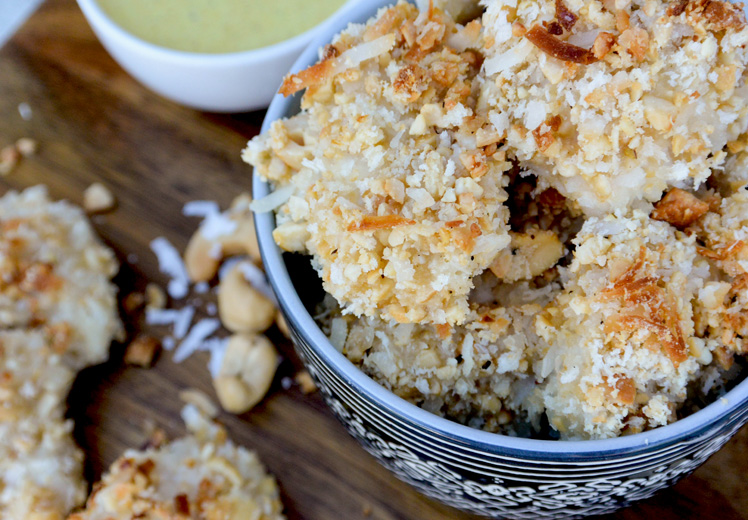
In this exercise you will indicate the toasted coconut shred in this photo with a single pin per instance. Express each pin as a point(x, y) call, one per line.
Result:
point(511, 215)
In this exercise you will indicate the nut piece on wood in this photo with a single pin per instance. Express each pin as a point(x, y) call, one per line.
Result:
point(246, 373)
point(142, 351)
point(202, 257)
point(9, 157)
point(679, 208)
point(27, 146)
point(204, 251)
point(241, 307)
point(133, 302)
point(305, 382)
point(200, 401)
point(155, 297)
point(97, 198)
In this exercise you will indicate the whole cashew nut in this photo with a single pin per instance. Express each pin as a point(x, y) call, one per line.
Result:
point(203, 255)
point(240, 306)
point(246, 373)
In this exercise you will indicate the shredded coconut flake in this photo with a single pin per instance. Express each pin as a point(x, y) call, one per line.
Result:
point(217, 225)
point(272, 200)
point(196, 337)
point(200, 208)
point(183, 321)
point(228, 265)
point(161, 316)
point(24, 109)
point(170, 263)
point(168, 343)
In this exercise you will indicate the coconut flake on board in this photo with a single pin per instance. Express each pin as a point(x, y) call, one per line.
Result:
point(170, 263)
point(197, 335)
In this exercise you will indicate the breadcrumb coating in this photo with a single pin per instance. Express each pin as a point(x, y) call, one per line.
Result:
point(609, 142)
point(58, 314)
point(722, 306)
point(54, 273)
point(617, 344)
point(650, 98)
point(476, 373)
point(396, 189)
point(203, 475)
point(41, 468)
point(623, 342)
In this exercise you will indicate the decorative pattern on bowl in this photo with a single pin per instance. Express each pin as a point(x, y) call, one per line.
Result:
point(507, 486)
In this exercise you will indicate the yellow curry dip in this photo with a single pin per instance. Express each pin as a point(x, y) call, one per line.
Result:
point(217, 26)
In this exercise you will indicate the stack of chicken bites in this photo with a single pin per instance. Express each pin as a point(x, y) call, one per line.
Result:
point(58, 314)
point(538, 213)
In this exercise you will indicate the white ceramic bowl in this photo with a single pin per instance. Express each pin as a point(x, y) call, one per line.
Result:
point(231, 82)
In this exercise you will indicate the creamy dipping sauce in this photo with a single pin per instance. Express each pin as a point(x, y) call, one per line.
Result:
point(217, 26)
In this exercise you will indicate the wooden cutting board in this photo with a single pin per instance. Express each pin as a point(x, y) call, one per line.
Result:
point(95, 123)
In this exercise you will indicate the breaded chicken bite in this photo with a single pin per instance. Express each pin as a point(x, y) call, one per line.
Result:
point(58, 314)
point(388, 177)
point(202, 475)
point(54, 274)
point(610, 102)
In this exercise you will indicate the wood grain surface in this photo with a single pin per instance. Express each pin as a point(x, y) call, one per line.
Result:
point(93, 122)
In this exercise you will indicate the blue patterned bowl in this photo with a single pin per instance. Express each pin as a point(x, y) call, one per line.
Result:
point(479, 472)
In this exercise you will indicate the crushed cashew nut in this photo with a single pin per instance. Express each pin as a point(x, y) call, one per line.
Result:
point(241, 307)
point(98, 198)
point(142, 351)
point(229, 233)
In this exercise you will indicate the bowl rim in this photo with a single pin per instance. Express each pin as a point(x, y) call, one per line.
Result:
point(300, 320)
point(97, 16)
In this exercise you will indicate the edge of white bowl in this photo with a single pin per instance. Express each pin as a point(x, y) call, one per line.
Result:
point(295, 311)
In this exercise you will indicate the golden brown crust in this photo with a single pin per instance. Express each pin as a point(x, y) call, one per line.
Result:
point(565, 17)
point(309, 77)
point(559, 49)
point(646, 305)
point(635, 41)
point(392, 19)
point(724, 252)
point(410, 82)
point(677, 7)
point(679, 208)
point(376, 222)
point(716, 15)
point(604, 43)
point(544, 134)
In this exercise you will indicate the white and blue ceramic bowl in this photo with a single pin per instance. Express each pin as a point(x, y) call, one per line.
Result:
point(484, 473)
